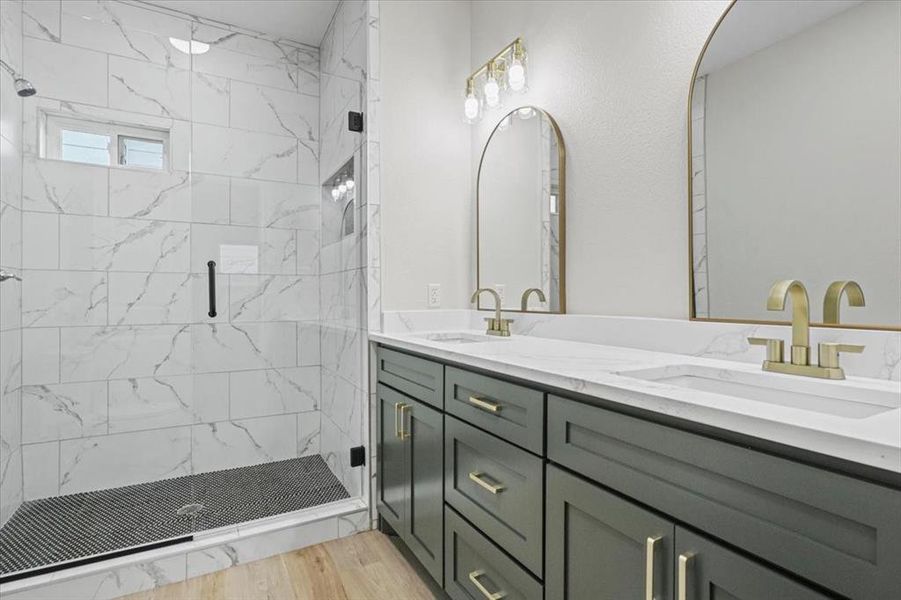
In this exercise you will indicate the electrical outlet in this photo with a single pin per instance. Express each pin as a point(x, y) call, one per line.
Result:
point(501, 290)
point(434, 300)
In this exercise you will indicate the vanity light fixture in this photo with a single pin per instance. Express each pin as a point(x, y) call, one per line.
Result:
point(505, 71)
point(335, 193)
point(349, 184)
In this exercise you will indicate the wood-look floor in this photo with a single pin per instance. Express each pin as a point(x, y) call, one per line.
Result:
point(365, 566)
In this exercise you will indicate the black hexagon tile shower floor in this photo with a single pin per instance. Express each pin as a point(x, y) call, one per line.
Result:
point(64, 528)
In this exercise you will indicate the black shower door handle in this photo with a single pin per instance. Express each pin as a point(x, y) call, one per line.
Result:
point(212, 281)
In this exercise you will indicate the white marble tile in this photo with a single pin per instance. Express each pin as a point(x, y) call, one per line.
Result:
point(63, 411)
point(124, 459)
point(234, 41)
point(11, 33)
point(234, 347)
point(54, 298)
point(12, 252)
point(40, 236)
point(215, 558)
point(109, 584)
point(341, 300)
point(11, 305)
point(353, 523)
point(125, 30)
point(11, 115)
point(40, 470)
point(64, 187)
point(273, 298)
point(308, 344)
point(308, 252)
point(41, 19)
point(308, 70)
point(66, 72)
point(157, 402)
point(333, 447)
point(308, 425)
point(209, 198)
point(11, 362)
point(145, 88)
point(91, 353)
point(273, 204)
point(209, 99)
point(143, 194)
point(123, 244)
point(40, 356)
point(10, 483)
point(223, 151)
point(342, 351)
point(277, 73)
point(259, 108)
point(276, 250)
point(151, 298)
point(273, 392)
point(343, 403)
point(229, 444)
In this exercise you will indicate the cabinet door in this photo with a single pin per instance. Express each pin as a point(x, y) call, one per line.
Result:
point(708, 571)
point(391, 473)
point(602, 547)
point(423, 430)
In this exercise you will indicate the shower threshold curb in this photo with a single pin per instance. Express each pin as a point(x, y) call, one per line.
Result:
point(223, 536)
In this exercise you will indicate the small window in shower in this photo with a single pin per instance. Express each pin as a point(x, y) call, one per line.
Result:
point(106, 144)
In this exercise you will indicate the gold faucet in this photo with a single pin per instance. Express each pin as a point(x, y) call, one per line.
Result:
point(496, 325)
point(524, 303)
point(800, 348)
point(833, 300)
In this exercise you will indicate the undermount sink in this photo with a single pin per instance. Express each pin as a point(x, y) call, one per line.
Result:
point(459, 337)
point(843, 399)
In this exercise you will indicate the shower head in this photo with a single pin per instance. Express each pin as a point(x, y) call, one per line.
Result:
point(22, 85)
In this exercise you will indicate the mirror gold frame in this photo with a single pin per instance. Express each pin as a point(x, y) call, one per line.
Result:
point(561, 208)
point(691, 276)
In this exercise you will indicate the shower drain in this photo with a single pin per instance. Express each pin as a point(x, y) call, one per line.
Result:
point(190, 510)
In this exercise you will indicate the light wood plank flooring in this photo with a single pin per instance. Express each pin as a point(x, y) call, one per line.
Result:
point(365, 566)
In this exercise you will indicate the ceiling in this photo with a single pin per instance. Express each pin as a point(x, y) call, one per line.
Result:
point(297, 20)
point(753, 26)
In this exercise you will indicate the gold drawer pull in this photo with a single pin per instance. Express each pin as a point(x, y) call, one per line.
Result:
point(493, 488)
point(404, 433)
point(682, 588)
point(650, 552)
point(474, 578)
point(397, 406)
point(484, 404)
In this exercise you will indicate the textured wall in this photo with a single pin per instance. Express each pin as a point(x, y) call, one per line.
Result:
point(125, 377)
point(10, 260)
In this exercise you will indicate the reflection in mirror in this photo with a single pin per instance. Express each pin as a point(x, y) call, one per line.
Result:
point(521, 213)
point(795, 150)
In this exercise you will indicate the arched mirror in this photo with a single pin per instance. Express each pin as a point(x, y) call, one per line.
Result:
point(521, 213)
point(795, 159)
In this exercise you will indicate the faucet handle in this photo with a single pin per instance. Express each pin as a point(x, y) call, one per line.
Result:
point(500, 327)
point(829, 352)
point(775, 349)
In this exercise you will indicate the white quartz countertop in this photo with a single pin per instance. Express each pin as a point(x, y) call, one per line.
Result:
point(594, 370)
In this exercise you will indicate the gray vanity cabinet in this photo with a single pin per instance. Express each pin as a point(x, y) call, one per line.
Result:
point(708, 571)
point(411, 461)
point(602, 547)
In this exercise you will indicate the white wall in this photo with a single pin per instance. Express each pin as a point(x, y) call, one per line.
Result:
point(427, 200)
point(808, 126)
point(615, 76)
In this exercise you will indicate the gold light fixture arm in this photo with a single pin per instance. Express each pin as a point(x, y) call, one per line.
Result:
point(514, 48)
point(833, 300)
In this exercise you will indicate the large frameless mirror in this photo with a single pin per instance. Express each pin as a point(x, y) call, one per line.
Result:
point(521, 200)
point(795, 159)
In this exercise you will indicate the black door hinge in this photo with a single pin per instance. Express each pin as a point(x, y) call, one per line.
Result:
point(358, 456)
point(355, 121)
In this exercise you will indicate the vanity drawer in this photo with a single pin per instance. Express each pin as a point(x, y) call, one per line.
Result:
point(498, 487)
point(512, 412)
point(839, 532)
point(475, 569)
point(417, 377)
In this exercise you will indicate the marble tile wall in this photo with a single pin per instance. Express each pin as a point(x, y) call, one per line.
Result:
point(125, 376)
point(343, 258)
point(11, 28)
point(699, 199)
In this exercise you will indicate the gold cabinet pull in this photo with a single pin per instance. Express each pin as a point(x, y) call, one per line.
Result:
point(397, 406)
point(683, 575)
point(474, 578)
point(484, 404)
point(404, 434)
point(493, 488)
point(650, 551)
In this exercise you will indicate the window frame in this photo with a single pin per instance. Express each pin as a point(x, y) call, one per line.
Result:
point(54, 125)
